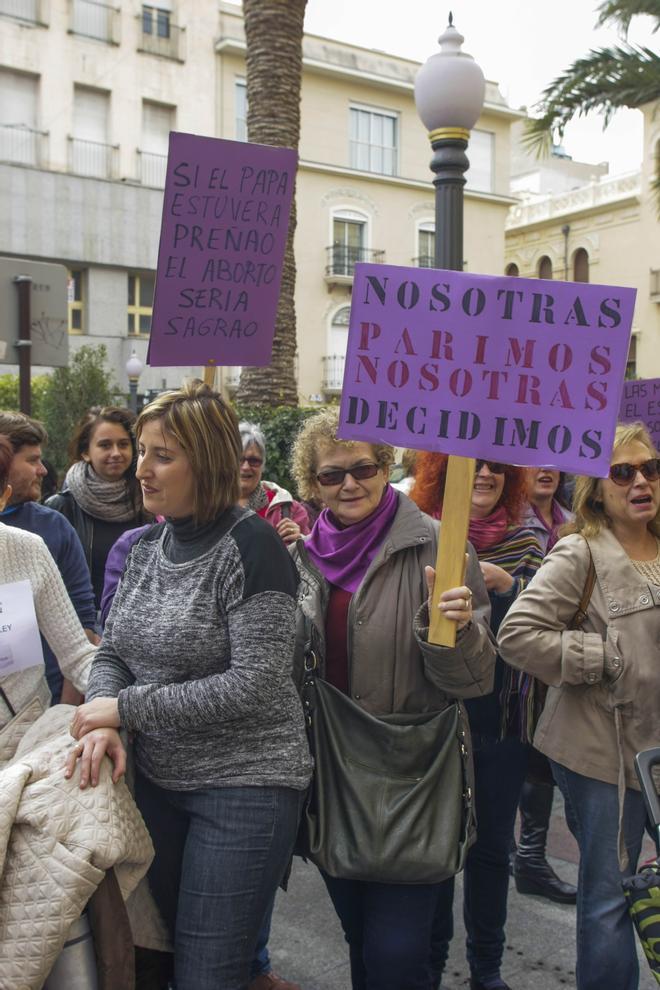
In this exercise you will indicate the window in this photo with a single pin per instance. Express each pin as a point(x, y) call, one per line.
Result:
point(156, 19)
point(22, 10)
point(76, 300)
point(373, 141)
point(580, 266)
point(18, 117)
point(425, 246)
point(339, 331)
point(140, 302)
point(512, 269)
point(93, 19)
point(545, 267)
point(91, 154)
point(480, 154)
point(157, 122)
point(348, 243)
point(631, 363)
point(240, 110)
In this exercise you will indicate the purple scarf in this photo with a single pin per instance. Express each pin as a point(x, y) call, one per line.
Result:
point(343, 555)
point(558, 518)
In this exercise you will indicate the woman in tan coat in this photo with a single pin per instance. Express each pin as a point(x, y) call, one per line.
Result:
point(603, 703)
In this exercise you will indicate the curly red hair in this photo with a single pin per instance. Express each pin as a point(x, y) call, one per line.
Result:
point(429, 487)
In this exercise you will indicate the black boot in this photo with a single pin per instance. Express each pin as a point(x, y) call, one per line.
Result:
point(532, 872)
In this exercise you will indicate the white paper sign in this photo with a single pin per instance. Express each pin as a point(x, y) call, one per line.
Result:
point(20, 643)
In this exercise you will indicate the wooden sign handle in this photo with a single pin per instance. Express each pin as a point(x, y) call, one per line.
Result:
point(209, 375)
point(450, 562)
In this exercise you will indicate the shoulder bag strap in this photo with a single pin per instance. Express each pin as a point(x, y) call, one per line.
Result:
point(590, 580)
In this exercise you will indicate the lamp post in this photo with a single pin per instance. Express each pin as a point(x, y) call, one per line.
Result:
point(449, 93)
point(134, 369)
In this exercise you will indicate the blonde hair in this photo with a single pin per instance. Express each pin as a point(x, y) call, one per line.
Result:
point(321, 431)
point(590, 515)
point(206, 427)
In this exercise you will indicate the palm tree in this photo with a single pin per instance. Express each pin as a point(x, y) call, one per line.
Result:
point(274, 33)
point(604, 80)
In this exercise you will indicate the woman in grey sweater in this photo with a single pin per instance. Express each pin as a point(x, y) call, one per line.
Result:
point(196, 663)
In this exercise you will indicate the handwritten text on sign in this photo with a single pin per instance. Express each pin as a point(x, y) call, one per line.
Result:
point(20, 643)
point(640, 401)
point(225, 220)
point(517, 370)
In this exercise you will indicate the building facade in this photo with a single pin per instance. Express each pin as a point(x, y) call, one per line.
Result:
point(88, 94)
point(595, 228)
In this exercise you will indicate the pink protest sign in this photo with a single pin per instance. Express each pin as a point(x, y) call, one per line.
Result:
point(524, 371)
point(225, 219)
point(640, 402)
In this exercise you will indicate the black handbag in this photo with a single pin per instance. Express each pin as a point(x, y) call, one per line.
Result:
point(391, 797)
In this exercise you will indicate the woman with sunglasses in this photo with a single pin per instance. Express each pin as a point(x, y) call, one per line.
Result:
point(509, 556)
point(365, 577)
point(603, 703)
point(273, 503)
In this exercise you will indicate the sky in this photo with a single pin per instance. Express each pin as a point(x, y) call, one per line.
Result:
point(516, 44)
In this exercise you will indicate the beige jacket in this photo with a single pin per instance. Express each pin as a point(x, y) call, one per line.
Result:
point(603, 705)
point(392, 667)
point(56, 842)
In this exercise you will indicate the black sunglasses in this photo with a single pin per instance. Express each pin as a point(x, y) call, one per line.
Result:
point(336, 476)
point(254, 462)
point(493, 466)
point(624, 474)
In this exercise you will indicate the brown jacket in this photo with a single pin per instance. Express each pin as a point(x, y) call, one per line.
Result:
point(607, 671)
point(391, 666)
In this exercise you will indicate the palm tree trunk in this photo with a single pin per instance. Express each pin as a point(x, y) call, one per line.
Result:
point(274, 33)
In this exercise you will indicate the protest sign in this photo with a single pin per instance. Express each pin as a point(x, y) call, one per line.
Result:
point(225, 220)
point(523, 371)
point(20, 642)
point(640, 402)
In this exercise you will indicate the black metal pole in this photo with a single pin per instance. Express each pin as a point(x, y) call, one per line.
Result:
point(449, 163)
point(132, 395)
point(24, 342)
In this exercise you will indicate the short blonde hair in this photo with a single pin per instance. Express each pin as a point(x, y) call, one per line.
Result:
point(590, 515)
point(206, 427)
point(321, 431)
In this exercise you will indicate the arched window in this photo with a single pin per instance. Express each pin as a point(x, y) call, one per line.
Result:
point(580, 266)
point(545, 267)
point(511, 269)
point(339, 331)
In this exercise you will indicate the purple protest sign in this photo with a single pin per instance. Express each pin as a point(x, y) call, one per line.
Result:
point(640, 402)
point(225, 220)
point(519, 370)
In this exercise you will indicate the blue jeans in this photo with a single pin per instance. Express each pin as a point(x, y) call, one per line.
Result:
point(388, 930)
point(220, 855)
point(499, 772)
point(261, 959)
point(606, 950)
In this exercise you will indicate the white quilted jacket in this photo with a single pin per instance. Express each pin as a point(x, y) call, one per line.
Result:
point(56, 842)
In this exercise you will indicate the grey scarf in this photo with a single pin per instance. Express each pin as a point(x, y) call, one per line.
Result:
point(258, 499)
point(107, 500)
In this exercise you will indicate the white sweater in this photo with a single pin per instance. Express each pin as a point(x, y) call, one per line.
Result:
point(24, 556)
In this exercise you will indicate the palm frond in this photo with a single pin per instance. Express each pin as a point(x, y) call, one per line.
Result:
point(604, 80)
point(621, 12)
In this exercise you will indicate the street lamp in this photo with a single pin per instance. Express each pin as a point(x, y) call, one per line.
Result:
point(134, 369)
point(449, 93)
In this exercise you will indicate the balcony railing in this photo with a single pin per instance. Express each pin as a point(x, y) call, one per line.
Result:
point(27, 11)
point(93, 158)
point(342, 259)
point(151, 169)
point(22, 145)
point(160, 36)
point(424, 261)
point(333, 373)
point(655, 284)
point(93, 19)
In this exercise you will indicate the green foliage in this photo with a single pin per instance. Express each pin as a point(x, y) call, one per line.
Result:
point(279, 425)
point(69, 394)
point(9, 393)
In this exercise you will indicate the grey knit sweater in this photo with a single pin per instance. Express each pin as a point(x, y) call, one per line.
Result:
point(199, 655)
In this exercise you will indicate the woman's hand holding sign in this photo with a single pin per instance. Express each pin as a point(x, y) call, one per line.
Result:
point(455, 603)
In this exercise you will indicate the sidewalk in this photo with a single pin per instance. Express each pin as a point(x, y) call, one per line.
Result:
point(307, 944)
